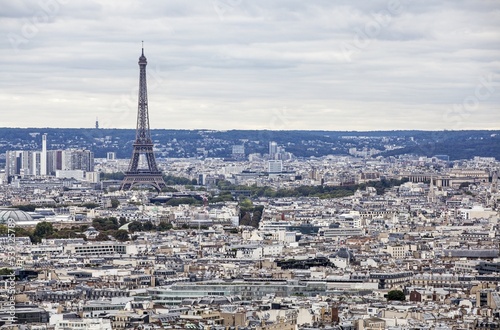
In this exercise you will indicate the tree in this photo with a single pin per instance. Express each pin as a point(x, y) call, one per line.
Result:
point(112, 176)
point(121, 235)
point(168, 189)
point(135, 226)
point(90, 205)
point(164, 226)
point(26, 208)
point(6, 271)
point(103, 224)
point(222, 197)
point(256, 216)
point(102, 237)
point(114, 203)
point(246, 204)
point(122, 221)
point(171, 180)
point(43, 230)
point(148, 226)
point(22, 232)
point(245, 219)
point(396, 295)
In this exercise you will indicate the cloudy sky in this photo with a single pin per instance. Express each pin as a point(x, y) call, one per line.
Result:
point(252, 64)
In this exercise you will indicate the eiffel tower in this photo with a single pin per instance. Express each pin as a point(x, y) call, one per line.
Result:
point(143, 144)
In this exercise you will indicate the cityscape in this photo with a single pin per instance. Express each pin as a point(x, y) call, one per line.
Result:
point(386, 221)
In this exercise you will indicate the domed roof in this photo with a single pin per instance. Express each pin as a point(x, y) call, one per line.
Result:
point(345, 253)
point(16, 215)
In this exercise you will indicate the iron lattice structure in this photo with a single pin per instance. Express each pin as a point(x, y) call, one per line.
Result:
point(143, 144)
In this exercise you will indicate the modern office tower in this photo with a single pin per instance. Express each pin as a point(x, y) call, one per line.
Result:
point(143, 145)
point(273, 149)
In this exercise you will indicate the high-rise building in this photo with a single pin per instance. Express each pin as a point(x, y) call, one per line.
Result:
point(69, 160)
point(78, 160)
point(54, 161)
point(273, 149)
point(23, 163)
point(47, 162)
point(43, 161)
point(13, 160)
point(35, 166)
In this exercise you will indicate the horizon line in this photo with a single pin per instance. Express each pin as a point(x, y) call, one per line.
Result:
point(266, 129)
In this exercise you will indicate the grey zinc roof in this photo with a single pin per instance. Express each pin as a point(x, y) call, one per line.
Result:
point(458, 253)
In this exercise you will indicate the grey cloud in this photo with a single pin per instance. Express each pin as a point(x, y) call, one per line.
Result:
point(239, 63)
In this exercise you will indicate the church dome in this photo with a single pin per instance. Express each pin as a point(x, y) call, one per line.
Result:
point(15, 215)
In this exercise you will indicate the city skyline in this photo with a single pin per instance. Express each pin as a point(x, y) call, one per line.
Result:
point(234, 64)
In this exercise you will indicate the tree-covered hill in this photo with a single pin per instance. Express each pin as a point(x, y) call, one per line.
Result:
point(210, 143)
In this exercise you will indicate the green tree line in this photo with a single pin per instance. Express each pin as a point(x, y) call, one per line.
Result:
point(170, 180)
point(320, 191)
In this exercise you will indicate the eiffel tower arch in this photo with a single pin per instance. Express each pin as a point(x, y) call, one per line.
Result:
point(143, 145)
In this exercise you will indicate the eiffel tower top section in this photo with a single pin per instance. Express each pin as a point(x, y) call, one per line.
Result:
point(143, 135)
point(142, 59)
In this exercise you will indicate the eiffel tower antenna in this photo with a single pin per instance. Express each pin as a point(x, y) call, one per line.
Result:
point(143, 144)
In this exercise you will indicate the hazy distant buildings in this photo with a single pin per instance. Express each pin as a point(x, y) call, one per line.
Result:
point(435, 242)
point(238, 152)
point(275, 166)
point(23, 163)
point(47, 162)
point(111, 156)
point(69, 160)
point(277, 152)
point(445, 158)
